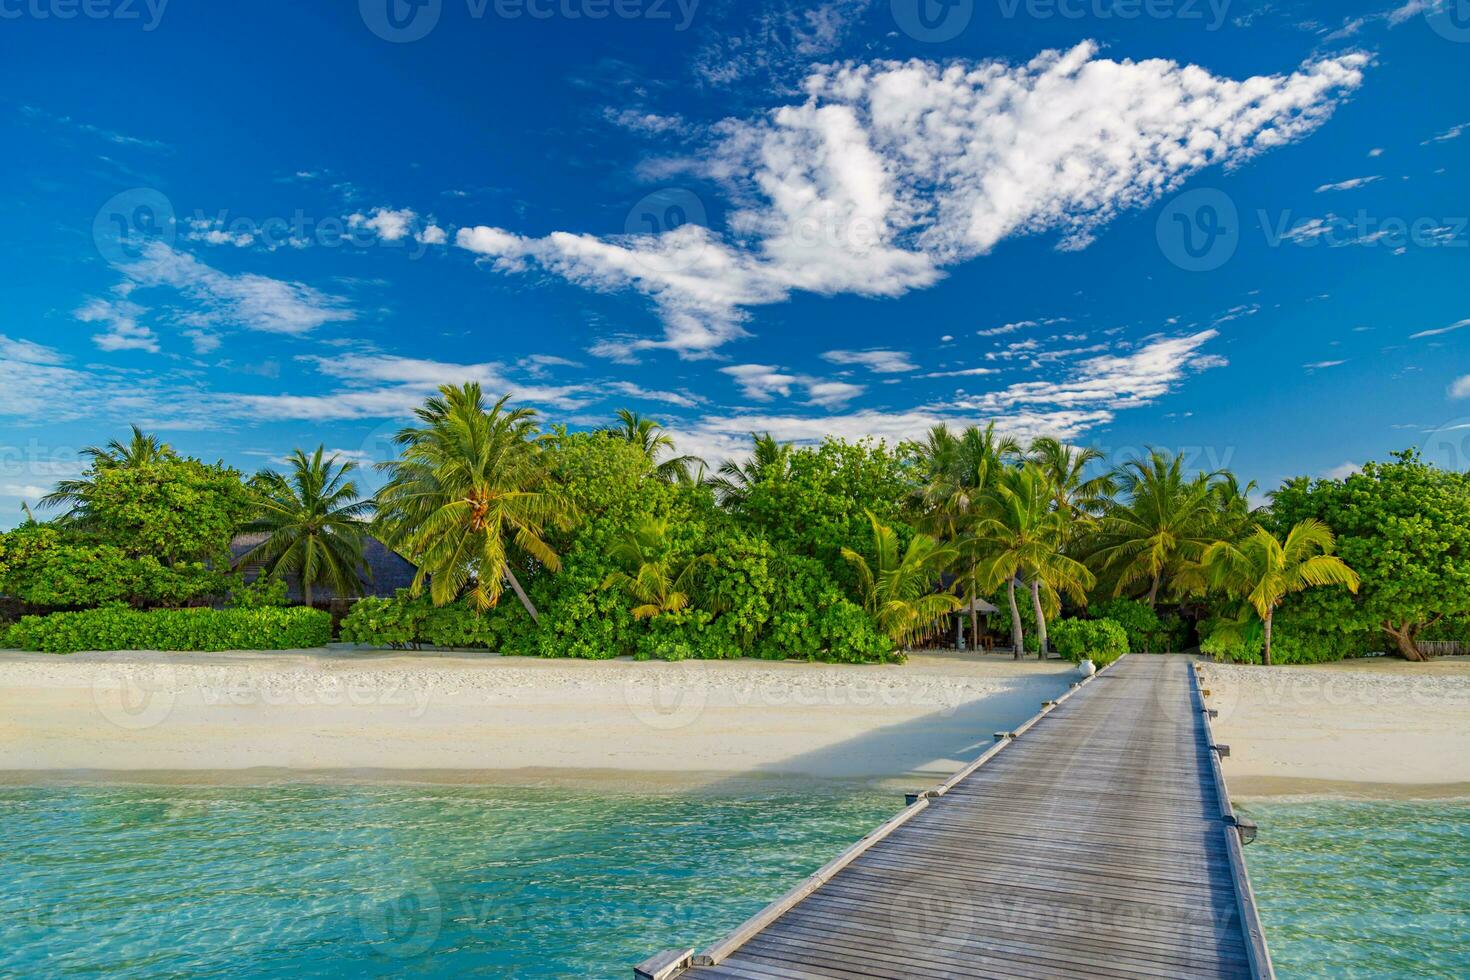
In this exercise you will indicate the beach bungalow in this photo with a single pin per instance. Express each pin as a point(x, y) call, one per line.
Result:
point(384, 571)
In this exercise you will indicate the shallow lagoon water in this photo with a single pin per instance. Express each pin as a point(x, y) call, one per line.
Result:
point(1359, 889)
point(516, 882)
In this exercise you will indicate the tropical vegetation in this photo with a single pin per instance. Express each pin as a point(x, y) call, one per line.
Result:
point(537, 540)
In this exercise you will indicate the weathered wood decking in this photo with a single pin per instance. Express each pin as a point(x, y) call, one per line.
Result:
point(1096, 841)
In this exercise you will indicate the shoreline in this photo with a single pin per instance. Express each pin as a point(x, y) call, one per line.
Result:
point(1352, 731)
point(694, 723)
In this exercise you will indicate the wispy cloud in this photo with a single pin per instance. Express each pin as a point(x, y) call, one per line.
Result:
point(762, 382)
point(246, 300)
point(877, 361)
point(1438, 331)
point(1348, 185)
point(1453, 133)
point(1460, 387)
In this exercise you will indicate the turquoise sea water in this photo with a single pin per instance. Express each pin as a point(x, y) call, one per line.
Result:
point(389, 881)
point(1364, 889)
point(454, 881)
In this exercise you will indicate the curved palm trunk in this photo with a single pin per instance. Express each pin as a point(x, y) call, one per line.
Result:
point(1040, 619)
point(1153, 591)
point(1018, 640)
point(1405, 640)
point(515, 584)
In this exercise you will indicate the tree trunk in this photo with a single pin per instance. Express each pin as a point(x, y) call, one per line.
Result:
point(515, 583)
point(1267, 654)
point(1040, 619)
point(1153, 591)
point(306, 588)
point(1018, 640)
point(974, 616)
point(1405, 639)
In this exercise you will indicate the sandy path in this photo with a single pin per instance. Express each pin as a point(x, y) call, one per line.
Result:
point(1381, 727)
point(483, 717)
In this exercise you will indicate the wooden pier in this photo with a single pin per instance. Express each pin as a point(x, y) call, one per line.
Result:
point(1096, 840)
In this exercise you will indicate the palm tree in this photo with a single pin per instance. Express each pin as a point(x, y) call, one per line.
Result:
point(313, 519)
point(140, 450)
point(957, 473)
point(899, 589)
point(1163, 524)
point(1022, 536)
point(650, 437)
point(1074, 493)
point(469, 489)
point(660, 583)
point(769, 461)
point(1263, 570)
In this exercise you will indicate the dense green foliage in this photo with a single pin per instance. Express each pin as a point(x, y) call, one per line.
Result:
point(1148, 630)
point(1404, 526)
point(51, 566)
point(608, 543)
point(1100, 640)
point(119, 628)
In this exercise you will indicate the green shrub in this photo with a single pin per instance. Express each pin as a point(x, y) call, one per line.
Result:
point(119, 628)
point(266, 592)
point(377, 622)
point(1139, 620)
point(1100, 640)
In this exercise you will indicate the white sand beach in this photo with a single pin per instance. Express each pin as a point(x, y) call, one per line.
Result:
point(462, 717)
point(1382, 728)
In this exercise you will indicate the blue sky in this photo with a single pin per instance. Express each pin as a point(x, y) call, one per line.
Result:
point(1235, 228)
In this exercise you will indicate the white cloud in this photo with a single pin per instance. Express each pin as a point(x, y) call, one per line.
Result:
point(1411, 9)
point(890, 171)
point(1460, 387)
point(1004, 329)
point(1342, 471)
point(29, 352)
point(877, 361)
point(1348, 185)
point(1319, 365)
point(386, 223)
point(962, 373)
point(832, 393)
point(1440, 330)
point(388, 386)
point(247, 300)
point(682, 399)
point(762, 382)
point(1453, 133)
point(1109, 382)
point(123, 331)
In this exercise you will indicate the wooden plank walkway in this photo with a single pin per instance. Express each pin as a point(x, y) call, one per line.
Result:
point(1095, 841)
